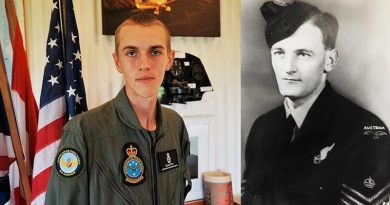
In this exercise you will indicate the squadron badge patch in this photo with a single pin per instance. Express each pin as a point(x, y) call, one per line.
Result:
point(69, 162)
point(133, 166)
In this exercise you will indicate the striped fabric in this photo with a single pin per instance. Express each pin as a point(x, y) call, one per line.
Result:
point(62, 96)
point(26, 113)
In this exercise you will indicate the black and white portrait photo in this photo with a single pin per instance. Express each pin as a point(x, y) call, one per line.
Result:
point(315, 90)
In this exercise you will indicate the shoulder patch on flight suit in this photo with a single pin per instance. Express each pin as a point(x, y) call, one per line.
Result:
point(69, 162)
point(133, 166)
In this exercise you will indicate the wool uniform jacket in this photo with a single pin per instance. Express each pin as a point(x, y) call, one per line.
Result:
point(340, 155)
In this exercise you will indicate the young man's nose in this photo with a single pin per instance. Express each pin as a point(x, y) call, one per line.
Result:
point(143, 62)
point(290, 64)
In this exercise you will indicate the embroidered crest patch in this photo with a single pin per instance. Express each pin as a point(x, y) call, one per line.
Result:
point(133, 166)
point(69, 162)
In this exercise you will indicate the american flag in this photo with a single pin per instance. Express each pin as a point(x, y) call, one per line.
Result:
point(62, 96)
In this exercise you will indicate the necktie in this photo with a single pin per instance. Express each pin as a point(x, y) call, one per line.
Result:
point(291, 126)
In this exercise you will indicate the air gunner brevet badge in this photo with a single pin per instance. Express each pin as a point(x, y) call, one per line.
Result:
point(323, 154)
point(133, 167)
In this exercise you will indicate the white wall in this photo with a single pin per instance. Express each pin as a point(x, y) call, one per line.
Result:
point(220, 56)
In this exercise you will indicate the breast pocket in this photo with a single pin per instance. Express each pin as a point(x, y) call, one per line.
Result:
point(105, 187)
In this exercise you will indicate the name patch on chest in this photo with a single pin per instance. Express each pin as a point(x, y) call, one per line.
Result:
point(168, 160)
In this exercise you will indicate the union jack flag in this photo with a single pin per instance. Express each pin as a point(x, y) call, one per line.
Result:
point(63, 94)
point(5, 159)
point(24, 108)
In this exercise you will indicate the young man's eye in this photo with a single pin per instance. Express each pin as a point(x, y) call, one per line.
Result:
point(155, 52)
point(303, 54)
point(277, 53)
point(131, 53)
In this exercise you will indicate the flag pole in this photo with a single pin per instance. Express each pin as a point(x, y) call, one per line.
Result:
point(62, 10)
point(12, 18)
point(16, 143)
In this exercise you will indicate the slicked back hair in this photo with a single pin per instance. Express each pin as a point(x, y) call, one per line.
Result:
point(328, 25)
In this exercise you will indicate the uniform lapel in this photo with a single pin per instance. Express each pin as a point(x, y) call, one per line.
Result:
point(315, 131)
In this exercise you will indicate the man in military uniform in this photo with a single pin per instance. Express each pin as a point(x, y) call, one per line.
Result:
point(129, 150)
point(318, 147)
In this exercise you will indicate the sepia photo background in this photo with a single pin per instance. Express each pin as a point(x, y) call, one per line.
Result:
point(362, 73)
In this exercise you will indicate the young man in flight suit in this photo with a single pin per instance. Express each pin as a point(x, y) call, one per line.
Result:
point(318, 147)
point(129, 150)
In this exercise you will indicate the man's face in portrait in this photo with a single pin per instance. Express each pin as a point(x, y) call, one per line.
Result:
point(299, 63)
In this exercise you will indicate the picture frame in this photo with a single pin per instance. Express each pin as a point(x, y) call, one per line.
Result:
point(198, 131)
point(187, 18)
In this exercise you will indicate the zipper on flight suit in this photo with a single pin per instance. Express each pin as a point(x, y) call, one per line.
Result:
point(154, 167)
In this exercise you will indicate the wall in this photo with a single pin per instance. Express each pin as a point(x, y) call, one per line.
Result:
point(362, 74)
point(220, 56)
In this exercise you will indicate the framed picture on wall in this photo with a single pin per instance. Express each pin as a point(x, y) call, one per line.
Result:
point(186, 18)
point(198, 160)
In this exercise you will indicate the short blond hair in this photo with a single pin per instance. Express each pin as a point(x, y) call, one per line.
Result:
point(138, 17)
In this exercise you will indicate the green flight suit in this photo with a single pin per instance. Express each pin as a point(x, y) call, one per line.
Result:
point(104, 168)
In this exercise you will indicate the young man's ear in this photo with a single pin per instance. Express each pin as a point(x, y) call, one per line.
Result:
point(332, 57)
point(116, 61)
point(171, 57)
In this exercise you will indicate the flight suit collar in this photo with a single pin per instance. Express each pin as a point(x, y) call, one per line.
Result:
point(128, 116)
point(160, 121)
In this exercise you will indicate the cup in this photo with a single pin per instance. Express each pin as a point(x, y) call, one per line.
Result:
point(217, 188)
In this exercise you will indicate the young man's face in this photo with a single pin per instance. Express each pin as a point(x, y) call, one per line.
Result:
point(142, 58)
point(299, 63)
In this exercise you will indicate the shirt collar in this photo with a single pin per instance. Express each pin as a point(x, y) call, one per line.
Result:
point(299, 113)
